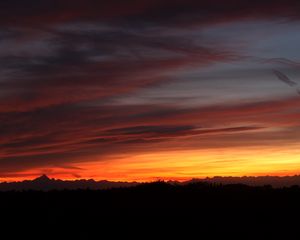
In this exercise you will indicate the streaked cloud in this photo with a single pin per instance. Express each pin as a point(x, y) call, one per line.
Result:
point(93, 81)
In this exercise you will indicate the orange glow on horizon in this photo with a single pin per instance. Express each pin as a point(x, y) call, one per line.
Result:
point(180, 165)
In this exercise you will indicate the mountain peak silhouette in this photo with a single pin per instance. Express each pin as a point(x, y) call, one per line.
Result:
point(44, 183)
point(43, 178)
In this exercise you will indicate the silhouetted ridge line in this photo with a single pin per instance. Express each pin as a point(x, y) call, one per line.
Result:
point(44, 183)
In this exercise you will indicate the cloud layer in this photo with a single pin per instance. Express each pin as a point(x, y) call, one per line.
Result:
point(84, 81)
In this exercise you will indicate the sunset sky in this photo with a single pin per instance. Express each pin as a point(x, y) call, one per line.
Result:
point(149, 89)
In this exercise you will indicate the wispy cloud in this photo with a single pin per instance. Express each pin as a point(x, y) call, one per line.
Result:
point(286, 80)
point(68, 67)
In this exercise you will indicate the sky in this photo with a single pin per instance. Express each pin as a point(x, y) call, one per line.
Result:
point(149, 89)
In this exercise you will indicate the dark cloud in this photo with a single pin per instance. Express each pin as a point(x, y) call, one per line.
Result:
point(147, 12)
point(150, 129)
point(282, 77)
point(102, 64)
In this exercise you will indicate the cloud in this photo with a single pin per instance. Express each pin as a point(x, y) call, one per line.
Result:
point(57, 53)
point(64, 64)
point(97, 65)
point(36, 13)
point(64, 135)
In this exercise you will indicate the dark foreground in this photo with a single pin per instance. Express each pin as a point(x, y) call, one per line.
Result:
point(156, 210)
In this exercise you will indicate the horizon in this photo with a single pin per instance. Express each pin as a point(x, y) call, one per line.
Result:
point(148, 90)
point(155, 179)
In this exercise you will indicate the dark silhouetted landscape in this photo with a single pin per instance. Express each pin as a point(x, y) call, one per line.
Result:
point(193, 208)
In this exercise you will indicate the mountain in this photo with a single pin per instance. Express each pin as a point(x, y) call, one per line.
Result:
point(44, 183)
point(274, 181)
